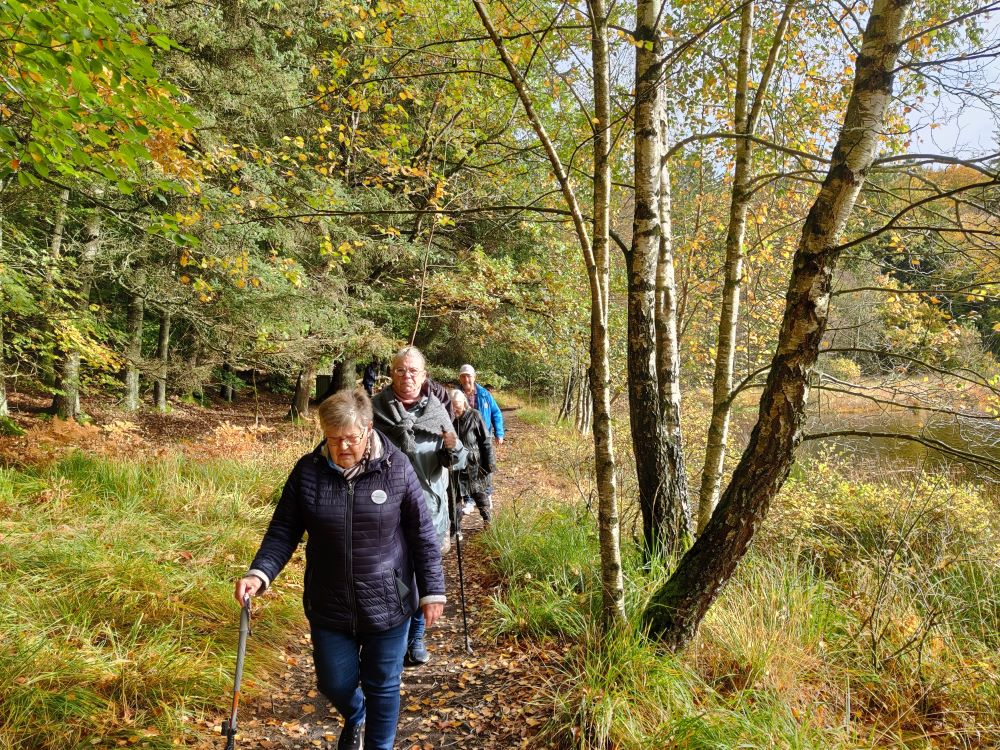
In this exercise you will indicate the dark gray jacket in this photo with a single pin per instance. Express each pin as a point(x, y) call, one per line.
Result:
point(371, 542)
point(471, 430)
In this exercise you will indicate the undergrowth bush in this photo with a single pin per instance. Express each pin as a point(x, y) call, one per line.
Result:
point(117, 623)
point(867, 614)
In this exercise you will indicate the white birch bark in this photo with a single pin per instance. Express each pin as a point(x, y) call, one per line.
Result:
point(668, 357)
point(676, 610)
point(652, 329)
point(596, 259)
point(745, 123)
point(600, 382)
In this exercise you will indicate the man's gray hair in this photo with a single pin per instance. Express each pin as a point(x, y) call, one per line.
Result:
point(457, 397)
point(346, 408)
point(409, 351)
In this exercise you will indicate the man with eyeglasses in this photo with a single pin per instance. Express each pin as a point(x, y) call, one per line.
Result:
point(417, 423)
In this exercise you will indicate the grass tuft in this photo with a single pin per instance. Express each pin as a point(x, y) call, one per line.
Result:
point(128, 566)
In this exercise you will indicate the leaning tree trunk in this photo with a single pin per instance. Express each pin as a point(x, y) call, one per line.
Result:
point(676, 610)
point(66, 402)
point(162, 359)
point(304, 386)
point(136, 312)
point(658, 462)
point(745, 124)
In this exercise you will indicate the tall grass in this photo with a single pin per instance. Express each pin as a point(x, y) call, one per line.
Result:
point(116, 617)
point(865, 616)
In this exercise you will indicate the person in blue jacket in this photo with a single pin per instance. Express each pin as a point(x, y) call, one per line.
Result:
point(482, 400)
point(372, 560)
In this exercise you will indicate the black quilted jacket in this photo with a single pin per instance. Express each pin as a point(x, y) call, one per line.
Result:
point(371, 542)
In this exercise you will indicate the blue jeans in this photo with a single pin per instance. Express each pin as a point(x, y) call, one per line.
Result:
point(417, 626)
point(360, 674)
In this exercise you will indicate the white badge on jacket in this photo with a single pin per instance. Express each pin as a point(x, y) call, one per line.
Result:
point(379, 497)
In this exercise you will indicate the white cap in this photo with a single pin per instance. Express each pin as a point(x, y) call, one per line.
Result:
point(467, 370)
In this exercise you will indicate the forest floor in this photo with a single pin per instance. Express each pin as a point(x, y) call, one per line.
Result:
point(488, 699)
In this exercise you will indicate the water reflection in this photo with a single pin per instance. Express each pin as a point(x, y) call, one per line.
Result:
point(979, 437)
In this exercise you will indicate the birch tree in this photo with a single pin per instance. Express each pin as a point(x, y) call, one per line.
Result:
point(596, 258)
point(676, 610)
point(653, 362)
point(746, 116)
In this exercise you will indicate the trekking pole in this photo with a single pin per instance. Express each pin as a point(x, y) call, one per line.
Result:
point(229, 725)
point(458, 554)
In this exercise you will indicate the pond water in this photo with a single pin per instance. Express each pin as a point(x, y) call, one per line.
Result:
point(887, 456)
point(979, 437)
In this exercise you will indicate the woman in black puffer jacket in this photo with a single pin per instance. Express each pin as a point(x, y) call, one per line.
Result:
point(372, 547)
point(474, 479)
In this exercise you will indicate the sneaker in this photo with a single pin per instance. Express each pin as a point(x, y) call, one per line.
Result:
point(468, 508)
point(351, 738)
point(417, 653)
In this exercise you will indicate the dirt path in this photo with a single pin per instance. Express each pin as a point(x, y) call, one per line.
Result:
point(486, 700)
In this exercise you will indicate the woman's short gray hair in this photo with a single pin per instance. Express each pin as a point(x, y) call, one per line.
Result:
point(457, 397)
point(409, 351)
point(346, 408)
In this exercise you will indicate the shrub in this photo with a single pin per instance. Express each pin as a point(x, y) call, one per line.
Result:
point(840, 368)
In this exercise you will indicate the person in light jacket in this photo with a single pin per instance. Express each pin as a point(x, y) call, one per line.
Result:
point(416, 421)
point(372, 547)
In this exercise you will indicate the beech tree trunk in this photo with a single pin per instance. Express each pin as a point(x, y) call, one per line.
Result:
point(304, 386)
point(136, 313)
point(226, 390)
point(49, 302)
point(745, 123)
point(656, 435)
point(4, 407)
point(676, 610)
point(162, 358)
point(596, 259)
point(66, 401)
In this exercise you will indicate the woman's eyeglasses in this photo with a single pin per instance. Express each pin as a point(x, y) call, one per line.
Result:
point(404, 371)
point(348, 440)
